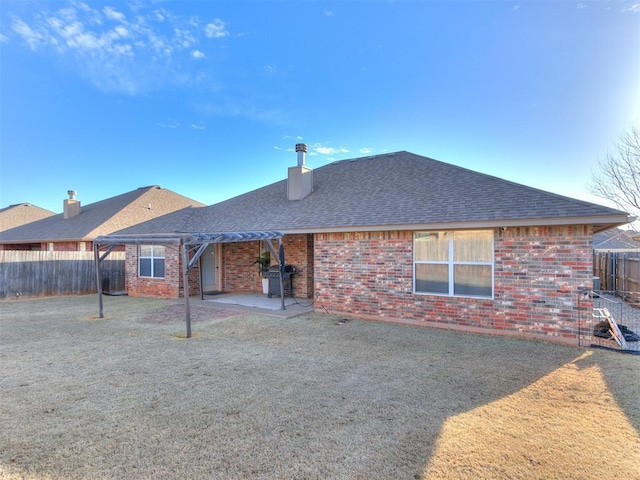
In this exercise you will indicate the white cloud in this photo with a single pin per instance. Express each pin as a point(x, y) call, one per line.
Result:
point(127, 51)
point(328, 13)
point(199, 126)
point(270, 68)
point(366, 150)
point(121, 32)
point(184, 38)
point(112, 14)
point(635, 8)
point(3, 38)
point(322, 150)
point(30, 36)
point(216, 29)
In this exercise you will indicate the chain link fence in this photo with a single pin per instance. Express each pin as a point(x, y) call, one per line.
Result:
point(622, 307)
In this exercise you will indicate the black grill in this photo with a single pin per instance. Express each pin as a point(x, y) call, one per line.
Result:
point(274, 280)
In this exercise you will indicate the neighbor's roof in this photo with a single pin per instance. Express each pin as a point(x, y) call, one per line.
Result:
point(616, 239)
point(101, 218)
point(389, 192)
point(20, 214)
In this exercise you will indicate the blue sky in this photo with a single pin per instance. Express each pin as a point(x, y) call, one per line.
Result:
point(209, 98)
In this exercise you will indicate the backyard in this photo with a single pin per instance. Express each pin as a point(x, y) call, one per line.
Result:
point(311, 397)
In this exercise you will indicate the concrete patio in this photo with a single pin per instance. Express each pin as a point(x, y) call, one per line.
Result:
point(259, 303)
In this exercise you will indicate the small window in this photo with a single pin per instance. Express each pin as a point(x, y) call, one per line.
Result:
point(458, 263)
point(151, 261)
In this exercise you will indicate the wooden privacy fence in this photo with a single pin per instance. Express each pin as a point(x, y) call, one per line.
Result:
point(41, 273)
point(617, 271)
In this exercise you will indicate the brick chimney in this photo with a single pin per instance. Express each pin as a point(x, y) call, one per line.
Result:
point(300, 178)
point(70, 206)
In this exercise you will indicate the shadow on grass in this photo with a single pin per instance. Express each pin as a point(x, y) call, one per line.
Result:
point(621, 373)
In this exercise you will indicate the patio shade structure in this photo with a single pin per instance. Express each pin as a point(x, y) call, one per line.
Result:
point(186, 242)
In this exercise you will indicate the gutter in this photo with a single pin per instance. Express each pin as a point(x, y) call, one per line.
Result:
point(608, 221)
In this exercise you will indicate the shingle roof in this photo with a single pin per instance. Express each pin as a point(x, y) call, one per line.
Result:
point(102, 218)
point(616, 239)
point(20, 214)
point(385, 191)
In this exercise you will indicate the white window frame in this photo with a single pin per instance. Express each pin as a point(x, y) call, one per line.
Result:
point(152, 257)
point(451, 263)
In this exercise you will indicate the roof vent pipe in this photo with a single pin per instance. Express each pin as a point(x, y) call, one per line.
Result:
point(300, 178)
point(72, 194)
point(301, 150)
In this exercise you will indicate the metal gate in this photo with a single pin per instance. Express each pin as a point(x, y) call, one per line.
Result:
point(624, 309)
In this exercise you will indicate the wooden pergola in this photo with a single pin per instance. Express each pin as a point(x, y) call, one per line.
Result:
point(186, 242)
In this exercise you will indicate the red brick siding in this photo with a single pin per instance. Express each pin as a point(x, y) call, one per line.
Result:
point(167, 287)
point(538, 273)
point(64, 246)
point(298, 251)
point(240, 273)
point(21, 246)
point(57, 247)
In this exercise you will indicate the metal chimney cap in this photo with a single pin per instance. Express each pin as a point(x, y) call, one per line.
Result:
point(301, 147)
point(72, 194)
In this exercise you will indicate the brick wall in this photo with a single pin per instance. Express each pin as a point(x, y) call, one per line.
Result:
point(298, 251)
point(62, 246)
point(240, 273)
point(167, 287)
point(538, 273)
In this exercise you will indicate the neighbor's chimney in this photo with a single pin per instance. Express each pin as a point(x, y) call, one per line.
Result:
point(300, 179)
point(70, 206)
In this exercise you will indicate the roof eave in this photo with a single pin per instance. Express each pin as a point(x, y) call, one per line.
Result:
point(5, 241)
point(600, 223)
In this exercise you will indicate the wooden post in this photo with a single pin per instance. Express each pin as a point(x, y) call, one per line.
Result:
point(96, 256)
point(200, 277)
point(185, 287)
point(281, 261)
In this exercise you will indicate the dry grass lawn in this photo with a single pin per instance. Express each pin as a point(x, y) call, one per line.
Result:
point(308, 398)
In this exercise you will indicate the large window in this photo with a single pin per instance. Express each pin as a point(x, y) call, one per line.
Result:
point(151, 261)
point(454, 263)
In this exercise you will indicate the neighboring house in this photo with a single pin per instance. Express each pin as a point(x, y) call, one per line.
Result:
point(397, 237)
point(77, 226)
point(20, 214)
point(616, 240)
